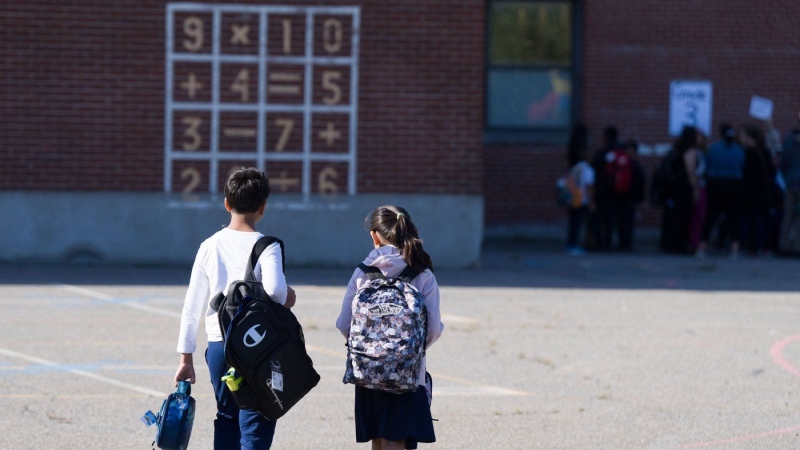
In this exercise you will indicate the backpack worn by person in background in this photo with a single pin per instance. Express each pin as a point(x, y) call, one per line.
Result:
point(619, 171)
point(264, 345)
point(174, 420)
point(568, 189)
point(663, 185)
point(387, 333)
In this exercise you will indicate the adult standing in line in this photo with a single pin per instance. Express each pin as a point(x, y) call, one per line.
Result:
point(680, 194)
point(626, 182)
point(758, 179)
point(601, 220)
point(790, 169)
point(724, 174)
point(694, 161)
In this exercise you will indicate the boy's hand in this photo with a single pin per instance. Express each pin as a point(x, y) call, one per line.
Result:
point(291, 297)
point(185, 369)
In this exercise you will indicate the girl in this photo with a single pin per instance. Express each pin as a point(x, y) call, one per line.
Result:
point(582, 175)
point(395, 421)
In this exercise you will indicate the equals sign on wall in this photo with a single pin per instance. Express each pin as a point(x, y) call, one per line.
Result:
point(284, 83)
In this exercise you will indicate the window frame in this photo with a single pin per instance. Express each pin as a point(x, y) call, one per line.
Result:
point(535, 134)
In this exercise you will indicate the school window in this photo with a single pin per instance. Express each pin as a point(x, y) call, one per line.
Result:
point(530, 71)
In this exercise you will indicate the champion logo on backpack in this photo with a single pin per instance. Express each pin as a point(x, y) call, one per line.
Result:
point(264, 344)
point(253, 337)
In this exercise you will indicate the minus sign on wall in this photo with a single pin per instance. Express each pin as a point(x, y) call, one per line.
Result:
point(239, 132)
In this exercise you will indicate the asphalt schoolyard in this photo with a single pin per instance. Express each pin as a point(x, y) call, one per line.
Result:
point(540, 350)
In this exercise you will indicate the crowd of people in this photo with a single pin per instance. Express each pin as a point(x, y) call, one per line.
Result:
point(601, 191)
point(740, 193)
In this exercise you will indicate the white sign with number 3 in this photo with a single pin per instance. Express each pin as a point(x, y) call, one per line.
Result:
point(690, 105)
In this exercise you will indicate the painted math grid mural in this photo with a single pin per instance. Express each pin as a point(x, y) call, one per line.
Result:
point(274, 87)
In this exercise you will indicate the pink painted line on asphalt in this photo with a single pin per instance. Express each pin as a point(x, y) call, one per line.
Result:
point(776, 352)
point(739, 439)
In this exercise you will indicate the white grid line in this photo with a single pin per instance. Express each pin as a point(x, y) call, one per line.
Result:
point(213, 154)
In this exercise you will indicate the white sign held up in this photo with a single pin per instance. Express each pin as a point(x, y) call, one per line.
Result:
point(761, 108)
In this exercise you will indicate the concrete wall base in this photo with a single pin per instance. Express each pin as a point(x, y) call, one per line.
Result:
point(159, 228)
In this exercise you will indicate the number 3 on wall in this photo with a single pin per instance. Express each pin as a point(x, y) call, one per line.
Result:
point(191, 132)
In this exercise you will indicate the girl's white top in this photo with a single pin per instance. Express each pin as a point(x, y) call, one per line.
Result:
point(389, 260)
point(221, 260)
point(584, 173)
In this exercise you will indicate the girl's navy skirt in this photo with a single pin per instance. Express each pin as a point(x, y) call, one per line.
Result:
point(394, 417)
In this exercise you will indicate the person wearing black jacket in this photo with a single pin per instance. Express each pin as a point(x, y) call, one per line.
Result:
point(759, 185)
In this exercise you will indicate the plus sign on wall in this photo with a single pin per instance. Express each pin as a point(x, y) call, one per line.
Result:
point(275, 87)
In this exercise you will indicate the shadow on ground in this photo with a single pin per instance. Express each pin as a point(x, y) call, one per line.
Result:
point(504, 263)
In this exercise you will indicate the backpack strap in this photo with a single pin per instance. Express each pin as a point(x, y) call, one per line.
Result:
point(258, 249)
point(408, 274)
point(373, 273)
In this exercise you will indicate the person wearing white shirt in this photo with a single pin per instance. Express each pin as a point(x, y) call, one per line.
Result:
point(222, 259)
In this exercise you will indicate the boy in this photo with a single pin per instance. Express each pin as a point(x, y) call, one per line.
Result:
point(222, 259)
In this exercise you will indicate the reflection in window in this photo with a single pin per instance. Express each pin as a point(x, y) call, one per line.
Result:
point(530, 65)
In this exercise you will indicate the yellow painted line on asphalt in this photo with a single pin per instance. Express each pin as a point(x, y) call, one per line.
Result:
point(487, 387)
point(458, 319)
point(476, 386)
point(108, 298)
point(82, 373)
point(326, 351)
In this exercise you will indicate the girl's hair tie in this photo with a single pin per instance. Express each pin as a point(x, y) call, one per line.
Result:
point(399, 215)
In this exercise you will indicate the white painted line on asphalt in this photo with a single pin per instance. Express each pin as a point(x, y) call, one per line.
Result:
point(108, 367)
point(83, 373)
point(107, 298)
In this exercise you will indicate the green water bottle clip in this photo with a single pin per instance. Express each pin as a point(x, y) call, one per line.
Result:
point(232, 379)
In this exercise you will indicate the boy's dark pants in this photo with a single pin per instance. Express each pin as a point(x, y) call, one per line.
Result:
point(234, 429)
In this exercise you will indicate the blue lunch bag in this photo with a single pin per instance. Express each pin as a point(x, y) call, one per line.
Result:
point(175, 419)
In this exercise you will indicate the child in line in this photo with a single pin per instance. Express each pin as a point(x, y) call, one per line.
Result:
point(222, 259)
point(395, 421)
point(582, 177)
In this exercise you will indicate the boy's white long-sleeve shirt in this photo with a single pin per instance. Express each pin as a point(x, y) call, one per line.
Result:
point(222, 259)
point(389, 260)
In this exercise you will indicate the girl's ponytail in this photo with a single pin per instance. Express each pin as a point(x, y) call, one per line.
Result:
point(395, 226)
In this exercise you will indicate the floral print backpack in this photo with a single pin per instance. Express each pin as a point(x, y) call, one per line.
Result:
point(387, 333)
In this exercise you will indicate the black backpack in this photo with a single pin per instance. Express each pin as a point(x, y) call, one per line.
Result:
point(662, 187)
point(264, 345)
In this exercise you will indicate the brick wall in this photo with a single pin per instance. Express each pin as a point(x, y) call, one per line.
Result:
point(82, 92)
point(82, 95)
point(631, 52)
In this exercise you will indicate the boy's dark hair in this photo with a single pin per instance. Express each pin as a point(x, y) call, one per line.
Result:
point(394, 225)
point(246, 190)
